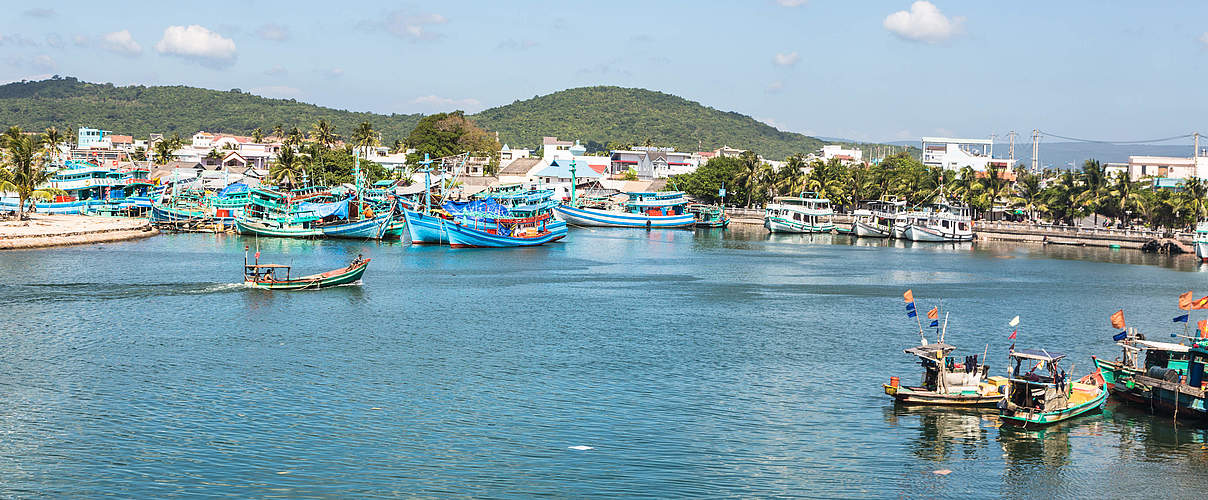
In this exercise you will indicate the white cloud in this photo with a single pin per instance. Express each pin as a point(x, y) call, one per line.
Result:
point(413, 26)
point(120, 42)
point(788, 59)
point(334, 72)
point(277, 70)
point(1204, 38)
point(447, 104)
point(923, 23)
point(278, 92)
point(80, 40)
point(791, 3)
point(775, 87)
point(54, 41)
point(17, 41)
point(199, 44)
point(274, 32)
point(42, 62)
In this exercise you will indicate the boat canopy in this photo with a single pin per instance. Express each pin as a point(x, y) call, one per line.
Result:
point(477, 207)
point(1162, 346)
point(1037, 354)
point(931, 351)
point(321, 210)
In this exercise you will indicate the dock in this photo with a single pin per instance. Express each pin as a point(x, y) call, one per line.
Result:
point(57, 230)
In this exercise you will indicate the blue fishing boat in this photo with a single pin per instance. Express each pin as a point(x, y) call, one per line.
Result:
point(642, 210)
point(425, 228)
point(371, 229)
point(501, 233)
point(521, 203)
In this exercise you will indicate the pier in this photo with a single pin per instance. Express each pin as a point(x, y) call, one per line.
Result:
point(58, 230)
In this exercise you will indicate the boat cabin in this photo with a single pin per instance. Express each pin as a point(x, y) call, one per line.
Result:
point(662, 203)
point(946, 374)
point(259, 273)
point(1037, 381)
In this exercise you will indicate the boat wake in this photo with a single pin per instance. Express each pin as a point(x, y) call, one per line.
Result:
point(70, 292)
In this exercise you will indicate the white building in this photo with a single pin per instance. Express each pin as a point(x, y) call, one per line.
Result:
point(955, 154)
point(653, 162)
point(507, 155)
point(553, 149)
point(1167, 166)
point(847, 156)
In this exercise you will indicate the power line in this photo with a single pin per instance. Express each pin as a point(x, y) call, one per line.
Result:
point(1184, 136)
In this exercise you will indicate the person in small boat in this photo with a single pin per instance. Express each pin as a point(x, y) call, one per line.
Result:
point(360, 258)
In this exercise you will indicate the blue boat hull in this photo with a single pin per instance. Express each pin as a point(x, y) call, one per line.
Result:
point(607, 218)
point(365, 229)
point(467, 237)
point(425, 229)
point(161, 214)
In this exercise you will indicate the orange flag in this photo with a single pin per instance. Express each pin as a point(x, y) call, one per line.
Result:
point(909, 296)
point(1203, 328)
point(934, 313)
point(1200, 303)
point(1118, 320)
point(1185, 301)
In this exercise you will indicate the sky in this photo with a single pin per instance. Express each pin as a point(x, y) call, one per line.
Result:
point(869, 70)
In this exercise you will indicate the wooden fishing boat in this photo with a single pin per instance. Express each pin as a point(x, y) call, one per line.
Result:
point(807, 213)
point(503, 233)
point(425, 229)
point(1169, 381)
point(642, 210)
point(276, 229)
point(947, 382)
point(1048, 397)
point(366, 229)
point(709, 216)
point(277, 276)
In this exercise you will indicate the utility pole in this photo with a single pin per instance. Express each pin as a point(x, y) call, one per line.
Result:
point(1011, 150)
point(1035, 151)
point(1195, 156)
point(992, 138)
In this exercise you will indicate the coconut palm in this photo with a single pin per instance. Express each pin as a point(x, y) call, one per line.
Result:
point(257, 135)
point(365, 137)
point(288, 168)
point(323, 133)
point(1093, 181)
point(25, 160)
point(52, 138)
point(748, 177)
point(278, 131)
point(1028, 192)
point(294, 138)
point(1126, 194)
point(1192, 196)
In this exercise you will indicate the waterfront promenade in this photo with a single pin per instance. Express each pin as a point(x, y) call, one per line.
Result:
point(57, 230)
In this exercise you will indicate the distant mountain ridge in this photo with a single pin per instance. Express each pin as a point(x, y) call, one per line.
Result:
point(597, 116)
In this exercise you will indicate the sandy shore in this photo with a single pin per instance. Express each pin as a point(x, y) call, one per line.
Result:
point(56, 230)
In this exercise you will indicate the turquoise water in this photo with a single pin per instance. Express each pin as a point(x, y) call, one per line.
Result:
point(715, 363)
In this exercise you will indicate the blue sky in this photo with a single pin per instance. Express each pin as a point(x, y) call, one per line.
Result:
point(868, 70)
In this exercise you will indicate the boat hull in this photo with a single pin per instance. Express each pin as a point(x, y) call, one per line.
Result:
point(168, 215)
point(782, 225)
point(249, 227)
point(350, 274)
point(916, 232)
point(607, 218)
point(1201, 250)
point(920, 396)
point(467, 237)
point(866, 230)
point(425, 229)
point(1026, 418)
point(369, 229)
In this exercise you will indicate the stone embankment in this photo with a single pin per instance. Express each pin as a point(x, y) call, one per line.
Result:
point(57, 230)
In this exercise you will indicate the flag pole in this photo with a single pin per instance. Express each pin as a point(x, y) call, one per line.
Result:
point(920, 321)
point(944, 332)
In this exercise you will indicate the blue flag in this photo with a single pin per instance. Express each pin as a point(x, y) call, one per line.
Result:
point(911, 314)
point(1180, 319)
point(1120, 336)
point(935, 323)
point(910, 306)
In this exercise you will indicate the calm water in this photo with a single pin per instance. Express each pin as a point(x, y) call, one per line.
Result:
point(707, 364)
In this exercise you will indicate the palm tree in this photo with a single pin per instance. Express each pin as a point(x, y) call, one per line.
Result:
point(163, 151)
point(1093, 178)
point(365, 137)
point(52, 138)
point(278, 131)
point(1194, 191)
point(1028, 192)
point(791, 177)
point(287, 169)
point(257, 135)
point(748, 177)
point(294, 138)
point(1126, 194)
point(323, 133)
point(26, 161)
point(993, 185)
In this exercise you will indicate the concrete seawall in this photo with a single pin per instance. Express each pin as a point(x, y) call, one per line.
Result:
point(59, 230)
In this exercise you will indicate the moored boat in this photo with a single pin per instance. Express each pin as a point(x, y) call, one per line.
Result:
point(1169, 379)
point(942, 222)
point(879, 219)
point(1048, 397)
point(641, 210)
point(709, 216)
point(948, 382)
point(501, 233)
point(807, 213)
point(1201, 241)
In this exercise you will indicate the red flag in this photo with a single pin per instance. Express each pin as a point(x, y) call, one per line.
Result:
point(934, 313)
point(1203, 328)
point(1185, 301)
point(909, 296)
point(1118, 319)
point(257, 254)
point(1200, 303)
point(1013, 332)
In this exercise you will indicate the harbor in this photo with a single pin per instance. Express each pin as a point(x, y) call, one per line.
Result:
point(717, 364)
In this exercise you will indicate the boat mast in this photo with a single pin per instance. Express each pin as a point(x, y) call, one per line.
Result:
point(356, 172)
point(573, 181)
point(427, 170)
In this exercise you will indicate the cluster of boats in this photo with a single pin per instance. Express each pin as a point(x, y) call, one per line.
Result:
point(887, 218)
point(1165, 377)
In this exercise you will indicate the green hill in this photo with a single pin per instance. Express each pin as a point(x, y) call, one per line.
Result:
point(69, 103)
point(598, 116)
point(622, 116)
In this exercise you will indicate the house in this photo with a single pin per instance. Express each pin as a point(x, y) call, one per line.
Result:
point(728, 152)
point(559, 172)
point(122, 142)
point(954, 154)
point(93, 138)
point(652, 162)
point(522, 170)
point(245, 159)
point(507, 155)
point(838, 152)
point(552, 148)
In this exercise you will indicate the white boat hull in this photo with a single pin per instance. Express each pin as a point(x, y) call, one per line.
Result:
point(866, 230)
point(915, 232)
point(779, 225)
point(1201, 250)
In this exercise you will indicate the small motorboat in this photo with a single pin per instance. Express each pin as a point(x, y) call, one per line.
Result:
point(277, 276)
point(1045, 395)
point(947, 381)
